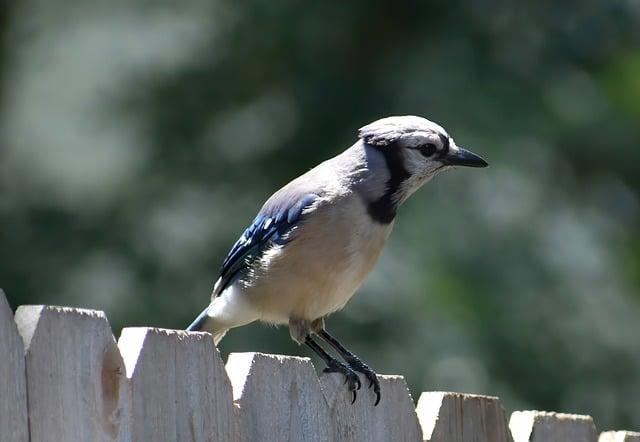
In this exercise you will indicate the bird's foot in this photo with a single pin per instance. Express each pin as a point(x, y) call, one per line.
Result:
point(357, 365)
point(351, 378)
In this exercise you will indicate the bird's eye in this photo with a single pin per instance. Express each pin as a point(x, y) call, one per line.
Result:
point(428, 149)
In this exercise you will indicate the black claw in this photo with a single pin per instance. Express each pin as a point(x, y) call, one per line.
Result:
point(354, 364)
point(350, 377)
point(359, 366)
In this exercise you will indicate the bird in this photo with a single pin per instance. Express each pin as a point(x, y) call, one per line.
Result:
point(314, 241)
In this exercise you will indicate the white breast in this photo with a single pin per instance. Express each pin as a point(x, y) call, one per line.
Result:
point(364, 247)
point(322, 267)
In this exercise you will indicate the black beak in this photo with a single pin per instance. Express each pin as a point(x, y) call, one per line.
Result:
point(462, 157)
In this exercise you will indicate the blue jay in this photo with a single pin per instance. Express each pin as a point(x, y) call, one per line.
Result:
point(315, 240)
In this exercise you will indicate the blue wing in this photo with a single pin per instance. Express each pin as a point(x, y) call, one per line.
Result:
point(275, 220)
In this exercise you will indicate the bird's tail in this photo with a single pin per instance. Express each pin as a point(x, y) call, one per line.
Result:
point(206, 323)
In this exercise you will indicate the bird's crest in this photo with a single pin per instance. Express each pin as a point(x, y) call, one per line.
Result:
point(387, 131)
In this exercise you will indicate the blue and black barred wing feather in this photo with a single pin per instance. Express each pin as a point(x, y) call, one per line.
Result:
point(272, 226)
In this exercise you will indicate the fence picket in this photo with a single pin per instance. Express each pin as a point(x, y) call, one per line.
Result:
point(457, 417)
point(13, 383)
point(619, 436)
point(75, 375)
point(394, 418)
point(178, 385)
point(277, 398)
point(539, 426)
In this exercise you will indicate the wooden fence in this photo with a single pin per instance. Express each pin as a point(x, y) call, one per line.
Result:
point(63, 377)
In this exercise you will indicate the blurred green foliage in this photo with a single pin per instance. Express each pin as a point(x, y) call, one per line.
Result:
point(138, 139)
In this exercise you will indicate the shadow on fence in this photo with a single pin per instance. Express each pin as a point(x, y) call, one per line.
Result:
point(63, 377)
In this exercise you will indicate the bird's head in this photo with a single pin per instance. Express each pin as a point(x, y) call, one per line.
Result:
point(415, 150)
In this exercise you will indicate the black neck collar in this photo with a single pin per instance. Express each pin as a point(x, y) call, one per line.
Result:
point(383, 210)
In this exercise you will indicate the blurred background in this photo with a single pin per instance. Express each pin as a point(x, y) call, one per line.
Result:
point(139, 139)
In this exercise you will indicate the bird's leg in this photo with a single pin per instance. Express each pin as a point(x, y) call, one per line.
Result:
point(335, 366)
point(354, 362)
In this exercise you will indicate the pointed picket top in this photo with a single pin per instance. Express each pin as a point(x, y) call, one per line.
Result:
point(76, 373)
point(538, 426)
point(458, 417)
point(619, 436)
point(178, 385)
point(13, 382)
point(394, 418)
point(277, 398)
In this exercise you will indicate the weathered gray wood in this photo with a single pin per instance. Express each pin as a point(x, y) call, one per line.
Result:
point(457, 417)
point(394, 419)
point(178, 385)
point(75, 375)
point(13, 383)
point(544, 426)
point(619, 436)
point(277, 398)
